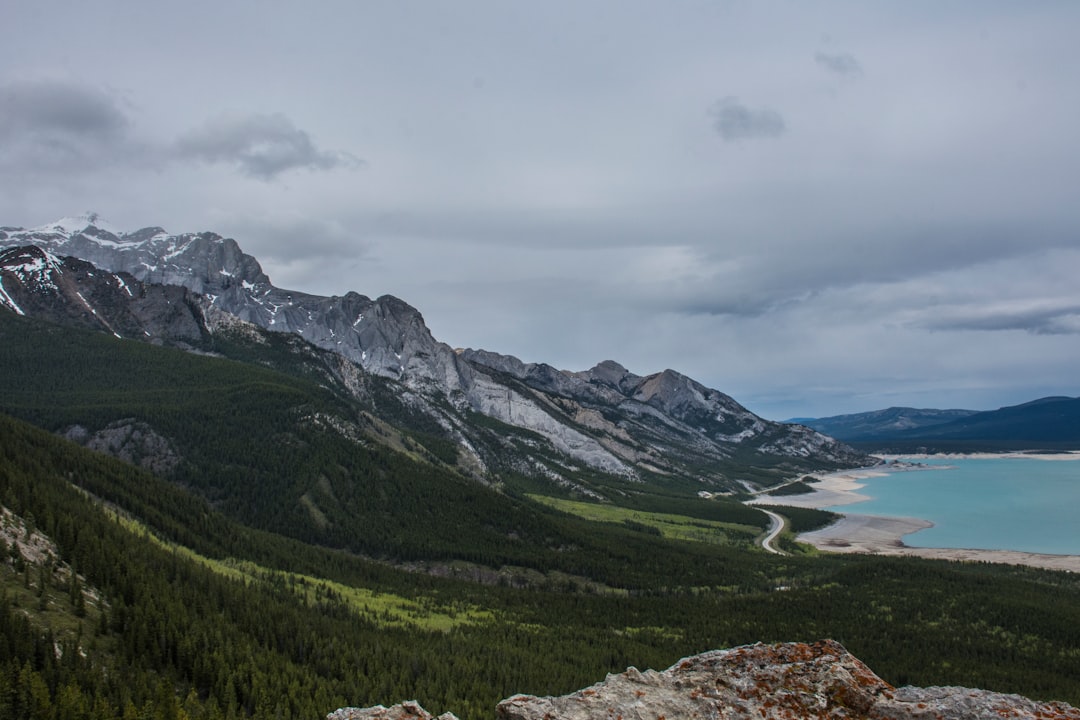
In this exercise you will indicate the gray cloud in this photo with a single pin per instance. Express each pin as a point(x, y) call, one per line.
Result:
point(297, 238)
point(839, 63)
point(736, 121)
point(52, 126)
point(1063, 320)
point(261, 146)
point(58, 125)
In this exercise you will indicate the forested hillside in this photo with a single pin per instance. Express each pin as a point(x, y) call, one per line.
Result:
point(283, 453)
point(287, 565)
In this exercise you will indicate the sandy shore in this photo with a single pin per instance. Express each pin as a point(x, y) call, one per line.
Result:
point(1027, 455)
point(881, 535)
point(839, 488)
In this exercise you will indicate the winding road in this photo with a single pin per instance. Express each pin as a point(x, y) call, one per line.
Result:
point(775, 528)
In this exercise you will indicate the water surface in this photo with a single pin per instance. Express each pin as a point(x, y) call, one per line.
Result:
point(990, 504)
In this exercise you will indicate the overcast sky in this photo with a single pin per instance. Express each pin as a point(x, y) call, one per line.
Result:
point(817, 208)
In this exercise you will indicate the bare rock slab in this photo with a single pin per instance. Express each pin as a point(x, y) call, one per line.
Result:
point(409, 710)
point(788, 681)
point(767, 682)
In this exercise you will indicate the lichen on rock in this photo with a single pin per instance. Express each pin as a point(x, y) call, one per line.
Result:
point(787, 681)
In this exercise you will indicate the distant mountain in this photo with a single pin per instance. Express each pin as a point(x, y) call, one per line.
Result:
point(556, 425)
point(1048, 423)
point(881, 423)
point(385, 336)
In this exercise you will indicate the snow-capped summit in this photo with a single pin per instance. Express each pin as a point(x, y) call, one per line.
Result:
point(385, 336)
point(199, 261)
point(89, 222)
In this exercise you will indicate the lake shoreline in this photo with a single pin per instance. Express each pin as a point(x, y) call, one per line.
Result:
point(884, 535)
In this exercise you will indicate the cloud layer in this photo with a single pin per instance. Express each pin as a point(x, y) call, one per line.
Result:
point(736, 121)
point(64, 126)
point(842, 64)
point(260, 146)
point(58, 125)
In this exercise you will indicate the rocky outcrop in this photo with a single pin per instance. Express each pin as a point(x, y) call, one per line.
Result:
point(789, 681)
point(410, 710)
point(131, 441)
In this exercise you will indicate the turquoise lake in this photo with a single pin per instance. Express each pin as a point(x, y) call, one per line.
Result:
point(992, 504)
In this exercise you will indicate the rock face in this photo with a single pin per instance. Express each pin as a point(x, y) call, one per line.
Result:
point(605, 420)
point(386, 336)
point(766, 682)
point(664, 423)
point(69, 291)
point(131, 441)
point(761, 682)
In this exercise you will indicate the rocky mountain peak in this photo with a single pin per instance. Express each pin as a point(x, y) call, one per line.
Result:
point(396, 309)
point(29, 262)
point(89, 222)
point(667, 388)
point(496, 361)
point(145, 234)
point(612, 374)
point(759, 682)
point(610, 371)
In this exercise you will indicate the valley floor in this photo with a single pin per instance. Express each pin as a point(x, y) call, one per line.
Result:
point(882, 535)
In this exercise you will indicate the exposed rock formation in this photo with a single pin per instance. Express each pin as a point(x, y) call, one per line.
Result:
point(665, 423)
point(760, 682)
point(386, 336)
point(70, 291)
point(403, 711)
point(131, 441)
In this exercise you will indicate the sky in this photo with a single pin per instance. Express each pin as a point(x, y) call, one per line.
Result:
point(816, 208)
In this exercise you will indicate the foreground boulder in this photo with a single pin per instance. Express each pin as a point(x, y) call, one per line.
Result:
point(764, 682)
point(403, 711)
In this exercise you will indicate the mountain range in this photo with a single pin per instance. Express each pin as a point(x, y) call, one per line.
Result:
point(1047, 423)
point(567, 426)
point(881, 423)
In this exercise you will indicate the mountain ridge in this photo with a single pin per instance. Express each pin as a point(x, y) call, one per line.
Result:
point(1051, 422)
point(605, 419)
point(867, 425)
